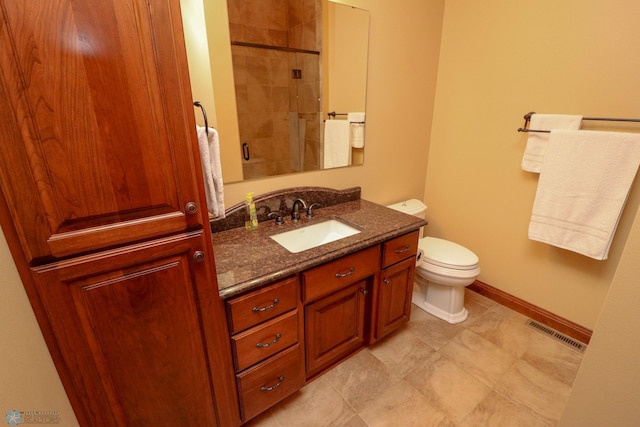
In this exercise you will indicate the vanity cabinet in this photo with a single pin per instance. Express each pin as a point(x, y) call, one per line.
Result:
point(266, 336)
point(102, 205)
point(289, 332)
point(396, 283)
point(338, 303)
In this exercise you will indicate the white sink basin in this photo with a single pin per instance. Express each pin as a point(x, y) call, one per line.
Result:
point(315, 235)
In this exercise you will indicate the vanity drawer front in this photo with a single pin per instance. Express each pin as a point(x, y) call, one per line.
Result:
point(263, 304)
point(342, 272)
point(264, 340)
point(400, 248)
point(268, 383)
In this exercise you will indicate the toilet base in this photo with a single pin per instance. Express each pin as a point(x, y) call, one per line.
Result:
point(441, 314)
point(442, 301)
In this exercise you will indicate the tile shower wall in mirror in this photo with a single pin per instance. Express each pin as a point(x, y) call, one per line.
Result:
point(275, 70)
point(275, 49)
point(277, 96)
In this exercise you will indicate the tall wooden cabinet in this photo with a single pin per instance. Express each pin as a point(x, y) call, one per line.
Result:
point(103, 208)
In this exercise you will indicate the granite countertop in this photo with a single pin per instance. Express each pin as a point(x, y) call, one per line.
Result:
point(249, 259)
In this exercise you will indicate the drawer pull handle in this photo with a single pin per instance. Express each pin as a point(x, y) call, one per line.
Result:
point(275, 386)
point(387, 281)
point(258, 309)
point(403, 249)
point(260, 345)
point(348, 273)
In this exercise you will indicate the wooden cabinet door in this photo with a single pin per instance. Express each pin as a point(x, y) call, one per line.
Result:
point(394, 305)
point(128, 327)
point(97, 127)
point(335, 326)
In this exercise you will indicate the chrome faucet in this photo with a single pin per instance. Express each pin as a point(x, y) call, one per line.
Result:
point(295, 210)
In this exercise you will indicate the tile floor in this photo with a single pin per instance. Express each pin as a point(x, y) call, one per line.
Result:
point(490, 370)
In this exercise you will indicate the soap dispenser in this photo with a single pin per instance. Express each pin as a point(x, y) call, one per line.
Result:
point(250, 216)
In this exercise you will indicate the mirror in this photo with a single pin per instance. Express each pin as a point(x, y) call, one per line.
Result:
point(283, 66)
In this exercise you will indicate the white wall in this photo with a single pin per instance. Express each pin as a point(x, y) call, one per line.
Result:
point(606, 391)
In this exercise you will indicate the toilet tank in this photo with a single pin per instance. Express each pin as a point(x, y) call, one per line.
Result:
point(412, 207)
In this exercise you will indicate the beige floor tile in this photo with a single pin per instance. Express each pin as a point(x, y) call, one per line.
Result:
point(402, 351)
point(315, 405)
point(448, 387)
point(402, 405)
point(532, 388)
point(553, 358)
point(505, 330)
point(265, 419)
point(478, 299)
point(433, 331)
point(361, 379)
point(476, 305)
point(497, 411)
point(479, 356)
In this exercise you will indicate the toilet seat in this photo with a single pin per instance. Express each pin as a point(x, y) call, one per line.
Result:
point(441, 256)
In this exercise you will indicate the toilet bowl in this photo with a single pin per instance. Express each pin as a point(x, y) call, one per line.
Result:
point(443, 270)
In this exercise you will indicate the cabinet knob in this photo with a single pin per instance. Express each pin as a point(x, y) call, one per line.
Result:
point(387, 281)
point(191, 208)
point(198, 256)
point(364, 291)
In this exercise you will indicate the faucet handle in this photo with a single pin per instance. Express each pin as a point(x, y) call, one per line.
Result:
point(278, 215)
point(309, 209)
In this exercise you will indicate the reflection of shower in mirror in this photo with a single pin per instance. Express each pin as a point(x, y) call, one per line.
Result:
point(286, 68)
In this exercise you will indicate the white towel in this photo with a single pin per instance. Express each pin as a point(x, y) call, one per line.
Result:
point(211, 170)
point(537, 141)
point(337, 150)
point(582, 190)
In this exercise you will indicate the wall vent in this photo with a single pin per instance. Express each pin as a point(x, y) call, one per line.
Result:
point(576, 345)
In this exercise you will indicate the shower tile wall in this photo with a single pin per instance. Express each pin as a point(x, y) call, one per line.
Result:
point(267, 96)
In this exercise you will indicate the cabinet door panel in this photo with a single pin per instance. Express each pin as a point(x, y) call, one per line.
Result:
point(396, 286)
point(127, 323)
point(99, 126)
point(335, 327)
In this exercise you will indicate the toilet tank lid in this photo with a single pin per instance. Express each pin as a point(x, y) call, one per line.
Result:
point(412, 207)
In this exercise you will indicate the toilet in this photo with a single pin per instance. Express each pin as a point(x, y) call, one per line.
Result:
point(443, 269)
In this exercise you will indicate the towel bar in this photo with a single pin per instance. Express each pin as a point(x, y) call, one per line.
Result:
point(333, 115)
point(204, 113)
point(527, 120)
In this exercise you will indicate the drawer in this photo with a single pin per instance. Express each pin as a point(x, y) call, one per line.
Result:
point(264, 340)
point(400, 248)
point(268, 383)
point(263, 304)
point(342, 272)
